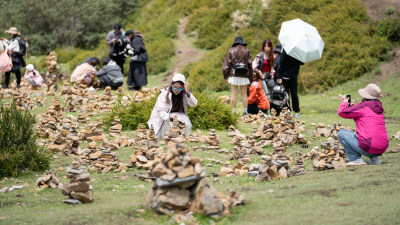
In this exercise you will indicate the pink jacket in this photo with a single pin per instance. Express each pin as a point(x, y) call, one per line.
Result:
point(36, 77)
point(370, 122)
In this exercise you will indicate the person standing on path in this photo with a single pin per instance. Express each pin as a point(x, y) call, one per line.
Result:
point(372, 139)
point(287, 74)
point(137, 77)
point(263, 65)
point(238, 71)
point(115, 39)
point(17, 47)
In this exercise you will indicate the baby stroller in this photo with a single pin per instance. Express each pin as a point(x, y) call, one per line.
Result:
point(279, 99)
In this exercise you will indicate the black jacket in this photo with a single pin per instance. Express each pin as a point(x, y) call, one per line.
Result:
point(139, 50)
point(289, 67)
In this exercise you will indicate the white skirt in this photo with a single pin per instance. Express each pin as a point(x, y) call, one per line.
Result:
point(167, 124)
point(238, 81)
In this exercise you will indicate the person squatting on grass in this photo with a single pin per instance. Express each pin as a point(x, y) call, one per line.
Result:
point(372, 139)
point(172, 104)
point(257, 100)
point(238, 71)
point(85, 73)
point(33, 76)
point(110, 75)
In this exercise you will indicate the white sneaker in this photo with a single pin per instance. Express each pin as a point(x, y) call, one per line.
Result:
point(375, 160)
point(357, 162)
point(297, 115)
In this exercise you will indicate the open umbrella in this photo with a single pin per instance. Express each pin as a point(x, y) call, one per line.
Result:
point(301, 40)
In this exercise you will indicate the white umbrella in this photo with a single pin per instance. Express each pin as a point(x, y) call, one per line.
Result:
point(301, 40)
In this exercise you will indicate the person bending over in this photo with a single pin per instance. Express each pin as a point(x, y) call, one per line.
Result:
point(172, 104)
point(33, 76)
point(85, 73)
point(371, 139)
point(110, 75)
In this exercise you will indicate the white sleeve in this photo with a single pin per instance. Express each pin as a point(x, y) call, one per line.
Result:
point(192, 101)
point(14, 46)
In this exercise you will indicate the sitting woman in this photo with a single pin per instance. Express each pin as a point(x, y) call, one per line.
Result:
point(372, 139)
point(33, 76)
point(257, 99)
point(172, 104)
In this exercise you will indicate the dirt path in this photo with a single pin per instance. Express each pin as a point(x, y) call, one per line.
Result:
point(185, 52)
point(377, 8)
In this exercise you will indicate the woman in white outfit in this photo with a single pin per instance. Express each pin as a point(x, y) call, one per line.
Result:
point(172, 104)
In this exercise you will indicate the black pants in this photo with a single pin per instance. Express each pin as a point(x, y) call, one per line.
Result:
point(253, 109)
point(7, 78)
point(120, 60)
point(105, 81)
point(291, 88)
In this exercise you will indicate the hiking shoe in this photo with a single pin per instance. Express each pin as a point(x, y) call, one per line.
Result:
point(297, 115)
point(18, 86)
point(244, 113)
point(4, 86)
point(374, 160)
point(357, 162)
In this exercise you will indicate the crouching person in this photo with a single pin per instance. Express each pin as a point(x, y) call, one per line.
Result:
point(257, 99)
point(33, 76)
point(372, 139)
point(172, 104)
point(85, 73)
point(110, 75)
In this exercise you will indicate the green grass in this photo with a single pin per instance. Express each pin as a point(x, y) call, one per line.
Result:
point(358, 195)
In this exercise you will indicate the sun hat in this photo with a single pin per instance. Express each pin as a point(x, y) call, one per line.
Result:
point(12, 30)
point(239, 40)
point(178, 77)
point(30, 67)
point(371, 91)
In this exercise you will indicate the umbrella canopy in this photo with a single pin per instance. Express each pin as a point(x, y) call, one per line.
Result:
point(301, 40)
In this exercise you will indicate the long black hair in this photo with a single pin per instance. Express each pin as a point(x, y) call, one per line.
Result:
point(170, 92)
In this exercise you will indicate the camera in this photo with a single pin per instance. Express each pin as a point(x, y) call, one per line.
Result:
point(349, 99)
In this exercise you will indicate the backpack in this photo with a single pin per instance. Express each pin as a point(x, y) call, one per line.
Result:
point(240, 68)
point(22, 46)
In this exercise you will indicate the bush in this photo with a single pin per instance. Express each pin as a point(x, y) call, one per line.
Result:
point(390, 27)
point(18, 148)
point(210, 112)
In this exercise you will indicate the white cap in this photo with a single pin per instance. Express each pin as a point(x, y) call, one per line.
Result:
point(30, 67)
point(178, 77)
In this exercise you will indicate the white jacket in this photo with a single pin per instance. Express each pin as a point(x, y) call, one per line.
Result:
point(161, 111)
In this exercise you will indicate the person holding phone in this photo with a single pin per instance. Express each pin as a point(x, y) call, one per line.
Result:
point(371, 139)
point(171, 105)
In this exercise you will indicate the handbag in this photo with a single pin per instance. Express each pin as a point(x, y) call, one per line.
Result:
point(5, 61)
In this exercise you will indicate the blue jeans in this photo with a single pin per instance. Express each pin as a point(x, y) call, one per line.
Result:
point(264, 85)
point(349, 141)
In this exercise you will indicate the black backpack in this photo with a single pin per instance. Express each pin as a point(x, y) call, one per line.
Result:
point(22, 46)
point(240, 68)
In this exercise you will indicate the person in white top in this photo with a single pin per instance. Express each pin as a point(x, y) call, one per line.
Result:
point(172, 104)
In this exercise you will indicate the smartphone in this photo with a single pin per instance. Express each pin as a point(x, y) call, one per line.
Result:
point(349, 98)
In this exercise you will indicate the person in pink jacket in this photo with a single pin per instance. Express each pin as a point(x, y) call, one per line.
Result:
point(372, 139)
point(33, 76)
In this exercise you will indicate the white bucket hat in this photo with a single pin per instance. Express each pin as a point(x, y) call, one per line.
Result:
point(371, 91)
point(12, 30)
point(30, 67)
point(178, 77)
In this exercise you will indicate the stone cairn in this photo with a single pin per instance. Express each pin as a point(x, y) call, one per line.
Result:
point(141, 133)
point(48, 180)
point(244, 147)
point(299, 167)
point(181, 186)
point(396, 136)
point(103, 161)
point(232, 132)
point(148, 152)
point(212, 140)
point(274, 166)
point(176, 133)
point(238, 169)
point(116, 128)
point(78, 189)
point(52, 73)
point(331, 157)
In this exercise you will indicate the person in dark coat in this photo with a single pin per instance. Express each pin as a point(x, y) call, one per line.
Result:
point(277, 54)
point(137, 77)
point(115, 39)
point(287, 74)
point(110, 75)
point(16, 56)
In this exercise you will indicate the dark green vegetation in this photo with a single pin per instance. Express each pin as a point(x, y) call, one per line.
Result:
point(18, 149)
point(209, 113)
point(52, 23)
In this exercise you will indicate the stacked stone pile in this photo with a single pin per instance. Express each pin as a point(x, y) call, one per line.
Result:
point(148, 152)
point(176, 133)
point(141, 133)
point(79, 187)
point(299, 167)
point(180, 186)
point(213, 140)
point(396, 136)
point(231, 170)
point(94, 134)
point(48, 180)
point(331, 157)
point(52, 73)
point(116, 128)
point(103, 161)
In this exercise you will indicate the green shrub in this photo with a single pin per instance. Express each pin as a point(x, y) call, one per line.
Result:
point(18, 148)
point(210, 112)
point(160, 51)
point(390, 27)
point(390, 10)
